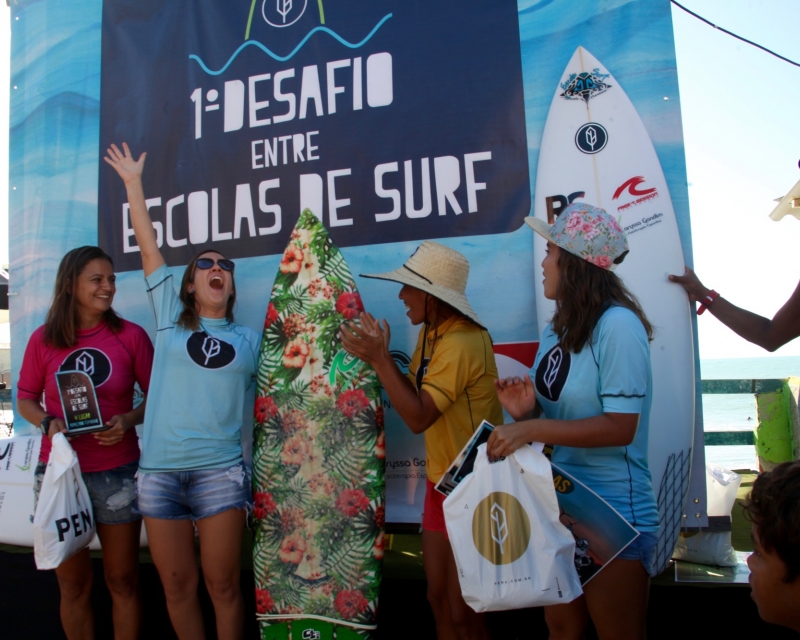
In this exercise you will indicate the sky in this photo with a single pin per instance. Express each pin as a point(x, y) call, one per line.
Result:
point(742, 140)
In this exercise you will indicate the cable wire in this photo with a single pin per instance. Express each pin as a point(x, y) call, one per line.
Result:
point(730, 33)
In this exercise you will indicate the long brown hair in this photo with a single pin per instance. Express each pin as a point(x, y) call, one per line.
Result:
point(585, 291)
point(189, 318)
point(63, 319)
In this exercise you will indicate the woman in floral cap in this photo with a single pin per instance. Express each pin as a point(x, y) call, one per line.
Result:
point(589, 395)
point(448, 392)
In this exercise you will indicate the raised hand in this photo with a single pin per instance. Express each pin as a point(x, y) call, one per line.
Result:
point(517, 396)
point(124, 164)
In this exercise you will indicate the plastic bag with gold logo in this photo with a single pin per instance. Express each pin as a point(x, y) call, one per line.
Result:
point(511, 550)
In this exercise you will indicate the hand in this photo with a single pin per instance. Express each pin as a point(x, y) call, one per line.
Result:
point(118, 426)
point(124, 164)
point(689, 281)
point(368, 342)
point(517, 396)
point(57, 425)
point(506, 439)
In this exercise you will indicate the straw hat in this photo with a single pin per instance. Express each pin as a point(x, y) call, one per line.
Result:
point(437, 270)
point(587, 232)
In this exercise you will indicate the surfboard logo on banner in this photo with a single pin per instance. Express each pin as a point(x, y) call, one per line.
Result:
point(585, 85)
point(591, 138)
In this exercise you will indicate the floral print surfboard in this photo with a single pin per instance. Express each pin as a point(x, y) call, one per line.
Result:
point(318, 456)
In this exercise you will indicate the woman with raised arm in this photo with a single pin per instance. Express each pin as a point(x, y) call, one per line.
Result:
point(192, 473)
point(769, 334)
point(448, 392)
point(82, 332)
point(593, 385)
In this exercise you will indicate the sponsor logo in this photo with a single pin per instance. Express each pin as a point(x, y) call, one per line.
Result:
point(591, 138)
point(209, 352)
point(552, 373)
point(633, 188)
point(644, 223)
point(343, 363)
point(501, 529)
point(311, 634)
point(93, 362)
point(556, 204)
point(585, 85)
point(562, 484)
point(28, 456)
point(6, 455)
point(283, 13)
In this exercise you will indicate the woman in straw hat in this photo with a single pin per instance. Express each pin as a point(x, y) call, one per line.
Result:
point(449, 390)
point(592, 382)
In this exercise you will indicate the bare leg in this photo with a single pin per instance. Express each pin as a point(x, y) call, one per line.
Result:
point(617, 600)
point(75, 582)
point(567, 621)
point(454, 618)
point(121, 567)
point(220, 555)
point(172, 548)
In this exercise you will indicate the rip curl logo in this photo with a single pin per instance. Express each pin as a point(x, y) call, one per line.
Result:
point(93, 362)
point(585, 85)
point(283, 13)
point(631, 187)
point(209, 352)
point(552, 373)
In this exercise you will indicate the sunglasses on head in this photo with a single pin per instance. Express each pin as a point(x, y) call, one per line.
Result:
point(207, 263)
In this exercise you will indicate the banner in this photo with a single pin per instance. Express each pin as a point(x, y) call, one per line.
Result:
point(394, 121)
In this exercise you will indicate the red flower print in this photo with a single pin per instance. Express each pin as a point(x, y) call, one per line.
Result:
point(272, 315)
point(265, 409)
point(352, 402)
point(377, 548)
point(293, 420)
point(264, 602)
point(263, 505)
point(379, 418)
point(292, 260)
point(349, 305)
point(350, 603)
point(380, 445)
point(602, 261)
point(294, 450)
point(293, 548)
point(295, 354)
point(292, 518)
point(351, 502)
point(294, 325)
point(380, 516)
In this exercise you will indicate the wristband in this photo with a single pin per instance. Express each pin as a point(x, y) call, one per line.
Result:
point(706, 303)
point(45, 423)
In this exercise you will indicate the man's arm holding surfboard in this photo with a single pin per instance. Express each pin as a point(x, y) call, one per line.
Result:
point(769, 334)
point(370, 343)
point(130, 171)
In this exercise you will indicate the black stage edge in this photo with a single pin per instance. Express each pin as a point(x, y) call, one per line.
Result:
point(29, 609)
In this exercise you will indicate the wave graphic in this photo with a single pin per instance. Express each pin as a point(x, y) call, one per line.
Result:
point(255, 43)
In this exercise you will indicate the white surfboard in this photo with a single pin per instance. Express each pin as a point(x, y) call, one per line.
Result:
point(596, 149)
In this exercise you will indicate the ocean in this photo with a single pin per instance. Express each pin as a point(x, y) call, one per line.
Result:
point(737, 412)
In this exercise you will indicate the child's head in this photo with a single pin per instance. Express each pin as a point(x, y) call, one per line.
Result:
point(774, 509)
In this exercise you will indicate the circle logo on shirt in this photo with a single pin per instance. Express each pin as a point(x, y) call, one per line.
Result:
point(209, 352)
point(501, 530)
point(552, 373)
point(92, 362)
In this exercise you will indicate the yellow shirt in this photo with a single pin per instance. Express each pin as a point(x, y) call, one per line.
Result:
point(460, 378)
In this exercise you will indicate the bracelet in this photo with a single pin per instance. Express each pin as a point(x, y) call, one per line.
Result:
point(712, 295)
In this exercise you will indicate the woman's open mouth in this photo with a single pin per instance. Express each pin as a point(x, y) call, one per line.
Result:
point(216, 283)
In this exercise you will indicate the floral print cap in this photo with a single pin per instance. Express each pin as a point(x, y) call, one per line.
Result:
point(587, 232)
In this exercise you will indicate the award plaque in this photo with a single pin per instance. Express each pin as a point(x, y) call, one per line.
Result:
point(79, 401)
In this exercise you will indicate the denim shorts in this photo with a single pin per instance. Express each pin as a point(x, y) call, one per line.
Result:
point(642, 549)
point(112, 492)
point(182, 495)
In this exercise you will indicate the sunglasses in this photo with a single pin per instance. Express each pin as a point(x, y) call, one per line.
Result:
point(207, 263)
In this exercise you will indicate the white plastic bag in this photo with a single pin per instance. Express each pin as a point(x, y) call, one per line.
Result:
point(511, 550)
point(63, 523)
point(713, 547)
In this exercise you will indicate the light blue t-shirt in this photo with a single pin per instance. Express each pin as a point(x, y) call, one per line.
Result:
point(611, 374)
point(196, 402)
